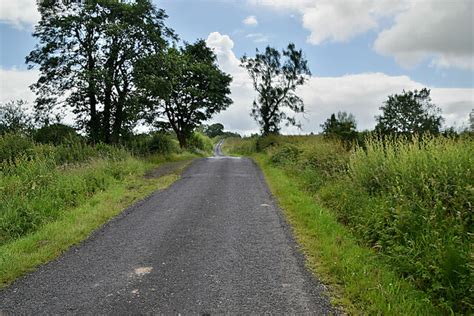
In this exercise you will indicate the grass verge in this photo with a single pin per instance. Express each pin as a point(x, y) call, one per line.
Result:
point(25, 254)
point(358, 279)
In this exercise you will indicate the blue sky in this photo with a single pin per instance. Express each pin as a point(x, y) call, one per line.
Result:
point(359, 51)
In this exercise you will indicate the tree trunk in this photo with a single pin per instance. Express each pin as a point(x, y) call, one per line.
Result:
point(183, 141)
point(94, 123)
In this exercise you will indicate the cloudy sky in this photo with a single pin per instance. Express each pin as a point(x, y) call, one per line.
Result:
point(359, 51)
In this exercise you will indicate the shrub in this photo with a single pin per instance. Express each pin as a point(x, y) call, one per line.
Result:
point(13, 146)
point(286, 154)
point(161, 144)
point(55, 134)
point(265, 142)
point(200, 142)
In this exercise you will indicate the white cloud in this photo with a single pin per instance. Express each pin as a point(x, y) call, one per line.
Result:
point(337, 21)
point(360, 94)
point(14, 84)
point(441, 31)
point(257, 37)
point(251, 20)
point(19, 13)
point(437, 30)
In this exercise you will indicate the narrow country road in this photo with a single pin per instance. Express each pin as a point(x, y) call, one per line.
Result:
point(214, 242)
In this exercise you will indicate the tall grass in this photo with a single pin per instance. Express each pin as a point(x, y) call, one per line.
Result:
point(40, 182)
point(410, 200)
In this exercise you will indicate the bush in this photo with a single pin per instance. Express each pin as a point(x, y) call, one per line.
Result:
point(161, 144)
point(265, 142)
point(55, 134)
point(286, 154)
point(200, 142)
point(13, 146)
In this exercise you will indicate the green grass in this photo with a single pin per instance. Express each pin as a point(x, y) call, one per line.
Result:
point(52, 197)
point(50, 240)
point(357, 278)
point(408, 201)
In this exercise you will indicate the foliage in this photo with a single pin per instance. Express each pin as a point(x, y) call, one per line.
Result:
point(55, 134)
point(39, 184)
point(214, 130)
point(14, 118)
point(161, 143)
point(410, 200)
point(342, 126)
point(184, 87)
point(13, 146)
point(200, 142)
point(409, 113)
point(275, 82)
point(357, 278)
point(85, 55)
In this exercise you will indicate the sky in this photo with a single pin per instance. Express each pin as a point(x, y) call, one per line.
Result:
point(359, 52)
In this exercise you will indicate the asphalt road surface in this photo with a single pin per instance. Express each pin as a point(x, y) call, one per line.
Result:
point(214, 242)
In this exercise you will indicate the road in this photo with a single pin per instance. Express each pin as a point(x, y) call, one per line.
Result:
point(213, 242)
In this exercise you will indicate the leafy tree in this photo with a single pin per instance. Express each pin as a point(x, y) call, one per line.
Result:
point(275, 81)
point(342, 126)
point(214, 130)
point(183, 88)
point(409, 113)
point(86, 54)
point(55, 134)
point(14, 117)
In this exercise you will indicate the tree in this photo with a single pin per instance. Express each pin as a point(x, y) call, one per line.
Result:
point(275, 82)
point(55, 134)
point(14, 118)
point(183, 87)
point(86, 54)
point(342, 126)
point(409, 113)
point(214, 130)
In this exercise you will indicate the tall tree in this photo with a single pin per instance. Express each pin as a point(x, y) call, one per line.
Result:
point(14, 118)
point(275, 81)
point(342, 126)
point(214, 130)
point(184, 87)
point(409, 113)
point(86, 54)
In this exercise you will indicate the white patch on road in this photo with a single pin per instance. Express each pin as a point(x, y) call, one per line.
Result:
point(265, 205)
point(142, 271)
point(224, 157)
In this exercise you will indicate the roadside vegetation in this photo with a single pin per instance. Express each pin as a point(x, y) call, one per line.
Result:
point(384, 216)
point(113, 67)
point(403, 204)
point(52, 196)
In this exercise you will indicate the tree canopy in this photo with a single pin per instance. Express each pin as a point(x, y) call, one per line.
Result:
point(275, 81)
point(409, 113)
point(342, 126)
point(86, 54)
point(183, 87)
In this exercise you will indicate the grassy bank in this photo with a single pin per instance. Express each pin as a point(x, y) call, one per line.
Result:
point(404, 207)
point(52, 197)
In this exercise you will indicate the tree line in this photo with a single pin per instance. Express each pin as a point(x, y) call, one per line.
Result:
point(116, 63)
